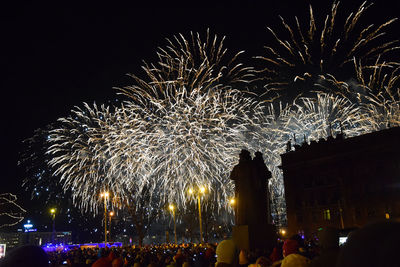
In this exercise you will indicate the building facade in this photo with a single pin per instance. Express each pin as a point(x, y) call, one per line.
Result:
point(342, 182)
point(16, 239)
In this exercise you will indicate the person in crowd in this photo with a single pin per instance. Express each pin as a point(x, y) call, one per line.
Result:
point(209, 255)
point(104, 260)
point(226, 254)
point(179, 258)
point(261, 262)
point(277, 254)
point(292, 256)
point(25, 256)
point(243, 258)
point(328, 242)
point(375, 244)
point(117, 261)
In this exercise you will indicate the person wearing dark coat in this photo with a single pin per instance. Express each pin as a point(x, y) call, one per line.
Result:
point(375, 244)
point(26, 256)
point(329, 248)
point(105, 259)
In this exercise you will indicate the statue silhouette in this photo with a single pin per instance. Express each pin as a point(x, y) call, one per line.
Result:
point(261, 176)
point(242, 174)
point(252, 229)
point(251, 193)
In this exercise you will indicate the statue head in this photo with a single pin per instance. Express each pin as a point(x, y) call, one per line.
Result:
point(244, 155)
point(258, 155)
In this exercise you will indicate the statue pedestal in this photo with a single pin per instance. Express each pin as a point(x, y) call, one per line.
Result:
point(254, 237)
point(241, 237)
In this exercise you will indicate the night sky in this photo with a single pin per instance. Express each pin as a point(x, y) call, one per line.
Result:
point(57, 55)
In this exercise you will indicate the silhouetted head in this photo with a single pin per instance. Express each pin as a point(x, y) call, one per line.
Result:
point(244, 155)
point(328, 238)
point(373, 245)
point(103, 252)
point(26, 256)
point(258, 155)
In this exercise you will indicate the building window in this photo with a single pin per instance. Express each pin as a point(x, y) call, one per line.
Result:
point(327, 215)
point(387, 215)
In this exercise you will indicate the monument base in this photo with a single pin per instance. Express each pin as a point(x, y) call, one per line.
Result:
point(252, 238)
point(241, 237)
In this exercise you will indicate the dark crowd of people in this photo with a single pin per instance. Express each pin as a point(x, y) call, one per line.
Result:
point(373, 245)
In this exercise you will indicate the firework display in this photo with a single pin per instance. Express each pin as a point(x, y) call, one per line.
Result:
point(185, 122)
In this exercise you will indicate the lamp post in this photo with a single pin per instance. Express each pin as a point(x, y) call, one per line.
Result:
point(232, 203)
point(53, 218)
point(172, 208)
point(105, 196)
point(200, 191)
point(109, 231)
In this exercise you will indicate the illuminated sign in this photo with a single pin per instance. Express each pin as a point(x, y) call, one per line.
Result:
point(28, 225)
point(2, 250)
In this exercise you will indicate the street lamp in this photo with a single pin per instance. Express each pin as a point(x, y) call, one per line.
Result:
point(200, 191)
point(172, 208)
point(109, 231)
point(53, 217)
point(105, 195)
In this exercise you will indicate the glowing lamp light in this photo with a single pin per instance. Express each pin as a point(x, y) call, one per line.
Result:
point(190, 191)
point(171, 207)
point(232, 201)
point(111, 213)
point(202, 190)
point(52, 211)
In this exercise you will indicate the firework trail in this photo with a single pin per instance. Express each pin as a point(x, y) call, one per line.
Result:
point(320, 57)
point(379, 93)
point(193, 64)
point(11, 213)
point(326, 115)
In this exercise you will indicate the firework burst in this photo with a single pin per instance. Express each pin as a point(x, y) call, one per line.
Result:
point(192, 63)
point(305, 119)
point(185, 123)
point(320, 56)
point(182, 128)
point(378, 93)
point(80, 155)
